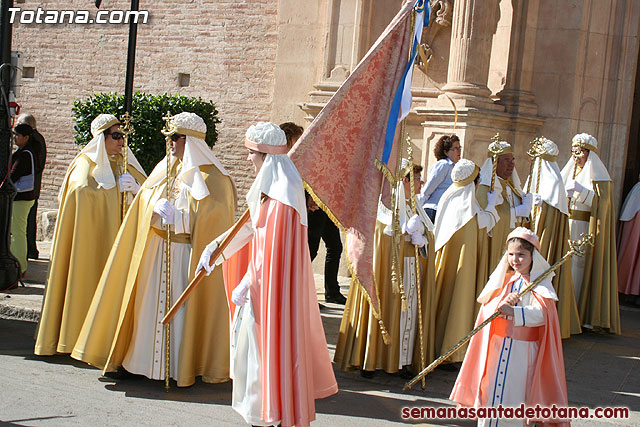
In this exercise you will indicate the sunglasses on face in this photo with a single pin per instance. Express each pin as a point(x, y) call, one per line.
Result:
point(177, 136)
point(116, 135)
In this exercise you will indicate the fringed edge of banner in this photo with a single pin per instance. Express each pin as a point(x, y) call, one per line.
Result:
point(354, 277)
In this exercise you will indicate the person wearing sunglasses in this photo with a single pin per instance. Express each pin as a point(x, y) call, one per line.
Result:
point(89, 216)
point(198, 202)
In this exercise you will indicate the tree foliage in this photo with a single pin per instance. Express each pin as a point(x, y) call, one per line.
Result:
point(147, 142)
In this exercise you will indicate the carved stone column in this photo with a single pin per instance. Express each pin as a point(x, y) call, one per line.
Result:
point(516, 95)
point(473, 26)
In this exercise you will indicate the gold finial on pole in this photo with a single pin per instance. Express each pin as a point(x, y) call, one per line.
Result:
point(575, 248)
point(495, 150)
point(127, 131)
point(536, 149)
point(576, 153)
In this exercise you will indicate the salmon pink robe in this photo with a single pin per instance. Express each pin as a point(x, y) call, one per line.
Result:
point(629, 256)
point(288, 364)
point(546, 386)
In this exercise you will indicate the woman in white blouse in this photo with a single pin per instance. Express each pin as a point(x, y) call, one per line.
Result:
point(447, 151)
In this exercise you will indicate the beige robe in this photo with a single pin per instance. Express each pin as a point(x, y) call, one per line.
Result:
point(360, 343)
point(204, 342)
point(598, 300)
point(86, 212)
point(552, 227)
point(461, 266)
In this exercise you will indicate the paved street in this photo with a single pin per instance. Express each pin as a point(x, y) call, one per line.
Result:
point(58, 391)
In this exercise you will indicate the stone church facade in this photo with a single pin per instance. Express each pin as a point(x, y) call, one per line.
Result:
point(521, 68)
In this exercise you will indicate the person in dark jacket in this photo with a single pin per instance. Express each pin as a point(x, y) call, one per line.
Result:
point(38, 140)
point(24, 164)
point(320, 227)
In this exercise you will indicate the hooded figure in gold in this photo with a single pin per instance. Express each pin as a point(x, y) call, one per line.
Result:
point(360, 342)
point(595, 276)
point(90, 200)
point(550, 221)
point(123, 326)
point(461, 243)
point(513, 205)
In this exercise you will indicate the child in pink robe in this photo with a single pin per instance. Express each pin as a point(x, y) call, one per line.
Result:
point(517, 359)
point(280, 359)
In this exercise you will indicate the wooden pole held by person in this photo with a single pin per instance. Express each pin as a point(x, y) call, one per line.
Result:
point(194, 282)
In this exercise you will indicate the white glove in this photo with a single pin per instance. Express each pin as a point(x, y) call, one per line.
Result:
point(239, 294)
point(573, 185)
point(166, 210)
point(126, 182)
point(414, 224)
point(492, 199)
point(205, 259)
point(524, 210)
point(418, 239)
point(537, 199)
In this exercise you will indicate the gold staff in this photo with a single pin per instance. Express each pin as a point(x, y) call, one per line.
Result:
point(543, 151)
point(576, 152)
point(127, 131)
point(495, 150)
point(414, 211)
point(534, 152)
point(577, 248)
point(168, 131)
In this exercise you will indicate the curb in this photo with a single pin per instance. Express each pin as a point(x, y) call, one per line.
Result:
point(13, 312)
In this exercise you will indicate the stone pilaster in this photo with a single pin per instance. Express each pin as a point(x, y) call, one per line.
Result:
point(516, 95)
point(473, 25)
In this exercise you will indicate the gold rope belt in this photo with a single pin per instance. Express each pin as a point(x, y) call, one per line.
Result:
point(175, 238)
point(577, 215)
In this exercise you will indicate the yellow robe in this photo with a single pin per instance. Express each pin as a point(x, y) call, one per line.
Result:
point(461, 266)
point(552, 227)
point(360, 344)
point(500, 231)
point(204, 346)
point(598, 305)
point(77, 259)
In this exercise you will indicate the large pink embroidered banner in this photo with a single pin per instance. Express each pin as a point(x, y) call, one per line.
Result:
point(336, 155)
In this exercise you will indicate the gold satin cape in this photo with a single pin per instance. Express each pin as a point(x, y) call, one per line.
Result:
point(107, 331)
point(77, 258)
point(598, 305)
point(461, 275)
point(552, 227)
point(360, 344)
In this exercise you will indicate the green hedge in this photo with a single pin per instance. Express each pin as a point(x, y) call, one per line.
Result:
point(147, 142)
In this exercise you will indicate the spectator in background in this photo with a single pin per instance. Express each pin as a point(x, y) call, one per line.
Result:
point(40, 147)
point(447, 151)
point(23, 166)
point(320, 227)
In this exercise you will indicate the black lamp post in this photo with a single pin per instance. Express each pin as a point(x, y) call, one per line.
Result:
point(9, 265)
point(131, 56)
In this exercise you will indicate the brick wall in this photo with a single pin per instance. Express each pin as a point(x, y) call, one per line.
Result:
point(227, 47)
